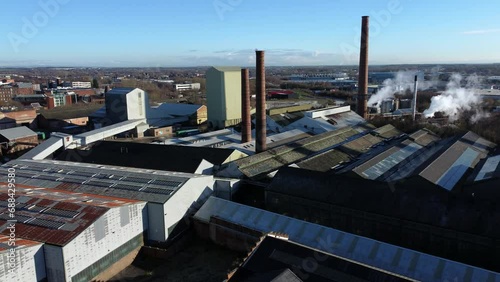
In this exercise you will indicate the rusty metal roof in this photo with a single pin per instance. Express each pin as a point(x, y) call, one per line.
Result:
point(19, 243)
point(48, 221)
point(122, 182)
point(67, 198)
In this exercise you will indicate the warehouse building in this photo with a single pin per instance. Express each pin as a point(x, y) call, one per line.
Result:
point(223, 96)
point(413, 212)
point(224, 222)
point(170, 196)
point(82, 234)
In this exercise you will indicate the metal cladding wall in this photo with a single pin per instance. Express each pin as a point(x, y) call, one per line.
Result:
point(114, 229)
point(363, 69)
point(246, 123)
point(29, 264)
point(185, 200)
point(116, 108)
point(455, 245)
point(137, 101)
point(260, 119)
point(215, 97)
point(223, 96)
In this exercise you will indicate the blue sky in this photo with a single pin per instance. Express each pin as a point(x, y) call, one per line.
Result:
point(158, 33)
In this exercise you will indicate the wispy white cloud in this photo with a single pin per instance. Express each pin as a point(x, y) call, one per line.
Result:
point(482, 31)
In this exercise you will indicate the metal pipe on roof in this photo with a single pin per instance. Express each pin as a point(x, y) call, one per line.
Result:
point(260, 117)
point(246, 122)
point(415, 98)
point(362, 105)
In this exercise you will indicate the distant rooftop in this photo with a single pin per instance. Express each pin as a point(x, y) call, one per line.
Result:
point(228, 68)
point(17, 132)
point(120, 91)
point(71, 111)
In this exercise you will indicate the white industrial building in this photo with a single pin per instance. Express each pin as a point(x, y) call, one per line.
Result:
point(170, 196)
point(82, 234)
point(26, 263)
point(187, 86)
point(81, 84)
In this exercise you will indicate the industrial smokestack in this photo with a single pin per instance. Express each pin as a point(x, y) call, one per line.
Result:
point(415, 98)
point(246, 123)
point(260, 119)
point(362, 105)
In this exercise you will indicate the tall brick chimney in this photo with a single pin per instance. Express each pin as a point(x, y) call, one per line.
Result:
point(260, 117)
point(362, 103)
point(246, 122)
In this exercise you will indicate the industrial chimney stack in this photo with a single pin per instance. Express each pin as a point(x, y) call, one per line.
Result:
point(260, 119)
point(415, 98)
point(246, 122)
point(362, 105)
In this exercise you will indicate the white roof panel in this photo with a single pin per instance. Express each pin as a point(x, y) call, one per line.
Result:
point(489, 166)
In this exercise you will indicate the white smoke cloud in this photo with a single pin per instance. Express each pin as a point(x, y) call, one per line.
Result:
point(404, 80)
point(456, 99)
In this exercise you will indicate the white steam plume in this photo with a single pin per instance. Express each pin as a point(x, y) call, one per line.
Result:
point(404, 80)
point(456, 99)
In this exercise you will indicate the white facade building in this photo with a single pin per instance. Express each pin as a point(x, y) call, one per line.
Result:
point(187, 86)
point(82, 234)
point(81, 84)
point(170, 196)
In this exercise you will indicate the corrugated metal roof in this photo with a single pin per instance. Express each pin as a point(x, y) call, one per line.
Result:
point(34, 223)
point(424, 137)
point(450, 167)
point(271, 160)
point(387, 131)
point(406, 262)
point(66, 198)
point(385, 161)
point(178, 109)
point(490, 167)
point(328, 123)
point(272, 254)
point(325, 161)
point(17, 132)
point(20, 243)
point(123, 182)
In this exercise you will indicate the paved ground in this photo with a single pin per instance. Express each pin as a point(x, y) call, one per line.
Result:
point(199, 261)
